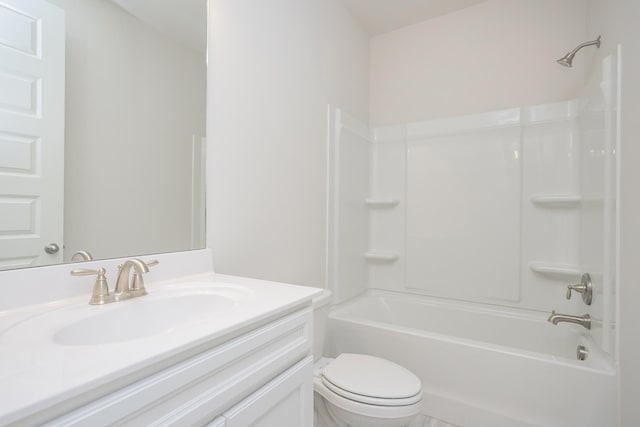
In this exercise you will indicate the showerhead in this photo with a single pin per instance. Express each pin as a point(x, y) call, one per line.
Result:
point(567, 60)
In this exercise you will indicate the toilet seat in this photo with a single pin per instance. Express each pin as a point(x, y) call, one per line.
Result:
point(371, 380)
point(365, 409)
point(369, 400)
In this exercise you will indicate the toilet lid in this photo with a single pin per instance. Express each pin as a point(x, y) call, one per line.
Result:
point(370, 379)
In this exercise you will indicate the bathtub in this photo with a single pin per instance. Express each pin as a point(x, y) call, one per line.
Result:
point(482, 365)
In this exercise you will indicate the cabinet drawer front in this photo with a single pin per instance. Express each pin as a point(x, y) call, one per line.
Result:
point(204, 386)
point(286, 401)
point(218, 422)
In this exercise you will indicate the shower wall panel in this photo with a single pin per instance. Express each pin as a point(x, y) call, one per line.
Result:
point(350, 149)
point(487, 207)
point(387, 233)
point(463, 214)
point(598, 180)
point(550, 207)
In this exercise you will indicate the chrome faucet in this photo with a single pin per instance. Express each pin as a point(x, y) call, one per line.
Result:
point(82, 256)
point(123, 288)
point(584, 320)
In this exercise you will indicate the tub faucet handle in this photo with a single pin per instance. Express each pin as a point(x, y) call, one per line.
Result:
point(584, 287)
point(572, 288)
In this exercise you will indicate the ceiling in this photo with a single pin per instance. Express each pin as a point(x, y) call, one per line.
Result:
point(381, 16)
point(184, 20)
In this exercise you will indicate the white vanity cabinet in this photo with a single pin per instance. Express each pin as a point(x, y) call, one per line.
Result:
point(286, 401)
point(261, 377)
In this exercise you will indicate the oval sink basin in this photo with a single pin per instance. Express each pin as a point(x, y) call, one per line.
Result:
point(169, 313)
point(150, 317)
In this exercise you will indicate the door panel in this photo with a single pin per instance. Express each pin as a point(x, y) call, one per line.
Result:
point(32, 53)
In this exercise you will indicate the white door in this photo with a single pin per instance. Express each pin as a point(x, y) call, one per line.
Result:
point(32, 52)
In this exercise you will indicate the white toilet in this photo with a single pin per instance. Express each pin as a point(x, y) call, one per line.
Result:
point(358, 390)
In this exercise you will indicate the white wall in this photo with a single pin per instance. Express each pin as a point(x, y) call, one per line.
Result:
point(617, 21)
point(495, 55)
point(273, 68)
point(133, 100)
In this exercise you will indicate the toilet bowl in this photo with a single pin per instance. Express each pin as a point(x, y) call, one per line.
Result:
point(357, 390)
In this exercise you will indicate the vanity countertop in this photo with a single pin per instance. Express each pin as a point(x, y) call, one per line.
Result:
point(45, 360)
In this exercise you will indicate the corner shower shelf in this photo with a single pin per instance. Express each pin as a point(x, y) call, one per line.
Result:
point(569, 200)
point(381, 203)
point(563, 270)
point(381, 256)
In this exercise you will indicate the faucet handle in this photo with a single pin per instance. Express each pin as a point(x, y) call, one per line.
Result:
point(87, 271)
point(576, 288)
point(152, 262)
point(100, 293)
point(137, 284)
point(584, 287)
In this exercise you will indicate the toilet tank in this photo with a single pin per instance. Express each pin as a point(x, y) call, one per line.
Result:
point(321, 305)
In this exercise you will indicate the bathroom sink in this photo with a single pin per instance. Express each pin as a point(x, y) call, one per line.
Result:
point(161, 312)
point(175, 310)
point(134, 321)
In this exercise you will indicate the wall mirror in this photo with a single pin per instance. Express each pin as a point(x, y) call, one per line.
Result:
point(102, 122)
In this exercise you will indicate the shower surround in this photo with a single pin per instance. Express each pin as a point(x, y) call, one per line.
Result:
point(500, 210)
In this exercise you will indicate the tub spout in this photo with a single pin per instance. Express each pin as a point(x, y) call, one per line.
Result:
point(584, 320)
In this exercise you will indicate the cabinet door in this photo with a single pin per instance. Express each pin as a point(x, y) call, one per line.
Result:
point(286, 401)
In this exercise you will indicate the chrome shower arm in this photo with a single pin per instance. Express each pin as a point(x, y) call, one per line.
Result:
point(567, 60)
point(595, 42)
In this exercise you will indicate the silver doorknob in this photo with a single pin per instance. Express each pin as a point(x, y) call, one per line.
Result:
point(52, 248)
